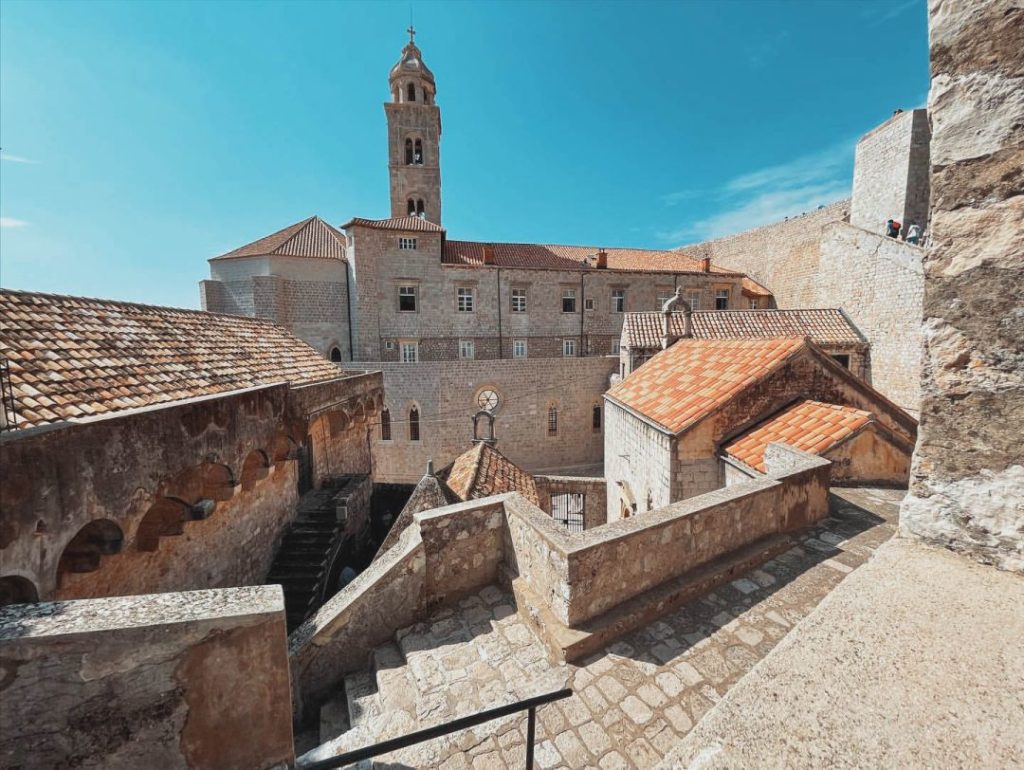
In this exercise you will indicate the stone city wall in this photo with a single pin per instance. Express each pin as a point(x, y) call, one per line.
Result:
point(884, 301)
point(179, 680)
point(967, 481)
point(445, 394)
point(890, 174)
point(783, 256)
point(194, 494)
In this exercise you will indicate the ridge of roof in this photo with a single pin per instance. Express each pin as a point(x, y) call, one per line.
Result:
point(311, 237)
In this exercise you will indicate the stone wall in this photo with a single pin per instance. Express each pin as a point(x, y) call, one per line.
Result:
point(186, 680)
point(446, 397)
point(594, 491)
point(878, 281)
point(193, 494)
point(967, 481)
point(637, 463)
point(783, 256)
point(890, 177)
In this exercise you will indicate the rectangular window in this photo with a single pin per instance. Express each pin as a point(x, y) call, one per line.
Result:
point(407, 299)
point(693, 297)
point(407, 243)
point(569, 300)
point(618, 300)
point(552, 421)
point(518, 348)
point(389, 344)
point(722, 299)
point(467, 349)
point(568, 348)
point(664, 295)
point(588, 303)
point(842, 358)
point(753, 304)
point(518, 300)
point(464, 299)
point(615, 347)
point(410, 352)
point(596, 419)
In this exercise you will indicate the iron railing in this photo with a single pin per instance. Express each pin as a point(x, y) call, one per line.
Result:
point(394, 744)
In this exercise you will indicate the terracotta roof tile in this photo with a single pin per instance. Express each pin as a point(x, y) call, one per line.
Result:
point(415, 224)
point(752, 288)
point(311, 237)
point(812, 426)
point(71, 356)
point(553, 257)
point(694, 377)
point(826, 326)
point(483, 471)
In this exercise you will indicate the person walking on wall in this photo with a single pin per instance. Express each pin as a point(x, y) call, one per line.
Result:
point(892, 229)
point(913, 234)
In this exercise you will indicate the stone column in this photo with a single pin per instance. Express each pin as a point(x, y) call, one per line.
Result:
point(967, 483)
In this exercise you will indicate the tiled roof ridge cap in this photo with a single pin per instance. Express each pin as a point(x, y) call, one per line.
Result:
point(144, 306)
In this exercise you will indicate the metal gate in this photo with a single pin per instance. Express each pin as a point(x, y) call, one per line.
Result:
point(567, 509)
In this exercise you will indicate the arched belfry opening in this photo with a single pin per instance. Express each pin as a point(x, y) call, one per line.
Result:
point(486, 435)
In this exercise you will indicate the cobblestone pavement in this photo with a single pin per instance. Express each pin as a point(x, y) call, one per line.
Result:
point(634, 700)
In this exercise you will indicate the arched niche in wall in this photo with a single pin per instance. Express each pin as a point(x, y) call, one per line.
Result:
point(283, 448)
point(15, 589)
point(166, 517)
point(255, 468)
point(86, 550)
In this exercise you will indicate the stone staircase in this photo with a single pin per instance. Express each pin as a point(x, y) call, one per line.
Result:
point(302, 562)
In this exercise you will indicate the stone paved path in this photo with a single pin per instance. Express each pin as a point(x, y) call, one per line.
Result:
point(634, 700)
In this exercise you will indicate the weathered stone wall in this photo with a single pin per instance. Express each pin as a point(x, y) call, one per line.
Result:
point(593, 489)
point(967, 481)
point(193, 494)
point(783, 256)
point(890, 177)
point(878, 281)
point(185, 680)
point(870, 458)
point(637, 463)
point(446, 396)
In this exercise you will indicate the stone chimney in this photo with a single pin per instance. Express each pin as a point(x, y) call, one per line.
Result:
point(602, 259)
point(488, 253)
point(430, 467)
point(705, 265)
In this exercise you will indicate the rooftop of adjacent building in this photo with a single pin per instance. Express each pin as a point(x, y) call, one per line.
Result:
point(72, 358)
point(826, 326)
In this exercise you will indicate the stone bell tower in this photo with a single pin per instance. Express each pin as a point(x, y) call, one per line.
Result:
point(414, 137)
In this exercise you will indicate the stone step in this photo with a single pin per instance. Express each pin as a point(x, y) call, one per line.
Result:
point(334, 718)
point(361, 698)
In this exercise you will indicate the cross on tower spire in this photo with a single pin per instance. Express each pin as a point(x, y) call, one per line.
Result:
point(412, 33)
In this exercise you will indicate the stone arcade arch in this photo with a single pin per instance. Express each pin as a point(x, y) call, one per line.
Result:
point(15, 589)
point(85, 551)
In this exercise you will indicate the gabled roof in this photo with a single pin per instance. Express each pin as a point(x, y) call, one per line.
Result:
point(415, 224)
point(694, 377)
point(826, 326)
point(483, 471)
point(812, 426)
point(553, 257)
point(72, 357)
point(752, 288)
point(311, 237)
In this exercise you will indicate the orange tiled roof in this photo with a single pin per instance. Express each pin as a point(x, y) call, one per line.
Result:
point(311, 237)
point(812, 426)
point(483, 471)
point(415, 224)
point(536, 255)
point(72, 357)
point(694, 377)
point(826, 326)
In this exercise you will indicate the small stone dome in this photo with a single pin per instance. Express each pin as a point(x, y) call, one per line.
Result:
point(411, 63)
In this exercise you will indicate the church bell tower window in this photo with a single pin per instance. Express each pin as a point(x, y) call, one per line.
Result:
point(417, 156)
point(411, 92)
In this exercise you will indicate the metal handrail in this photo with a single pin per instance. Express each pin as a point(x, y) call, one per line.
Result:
point(394, 744)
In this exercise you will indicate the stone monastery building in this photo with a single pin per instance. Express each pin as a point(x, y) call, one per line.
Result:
point(400, 289)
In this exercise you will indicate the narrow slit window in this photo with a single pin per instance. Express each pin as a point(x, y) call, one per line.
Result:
point(385, 425)
point(414, 424)
point(552, 421)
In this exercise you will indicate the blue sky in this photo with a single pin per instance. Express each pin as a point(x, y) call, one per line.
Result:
point(139, 139)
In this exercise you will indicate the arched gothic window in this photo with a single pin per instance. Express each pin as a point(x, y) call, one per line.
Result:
point(412, 207)
point(336, 354)
point(419, 208)
point(385, 424)
point(410, 92)
point(414, 424)
point(418, 154)
point(408, 152)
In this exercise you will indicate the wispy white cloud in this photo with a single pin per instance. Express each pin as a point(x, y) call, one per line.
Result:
point(15, 158)
point(883, 12)
point(12, 222)
point(769, 194)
